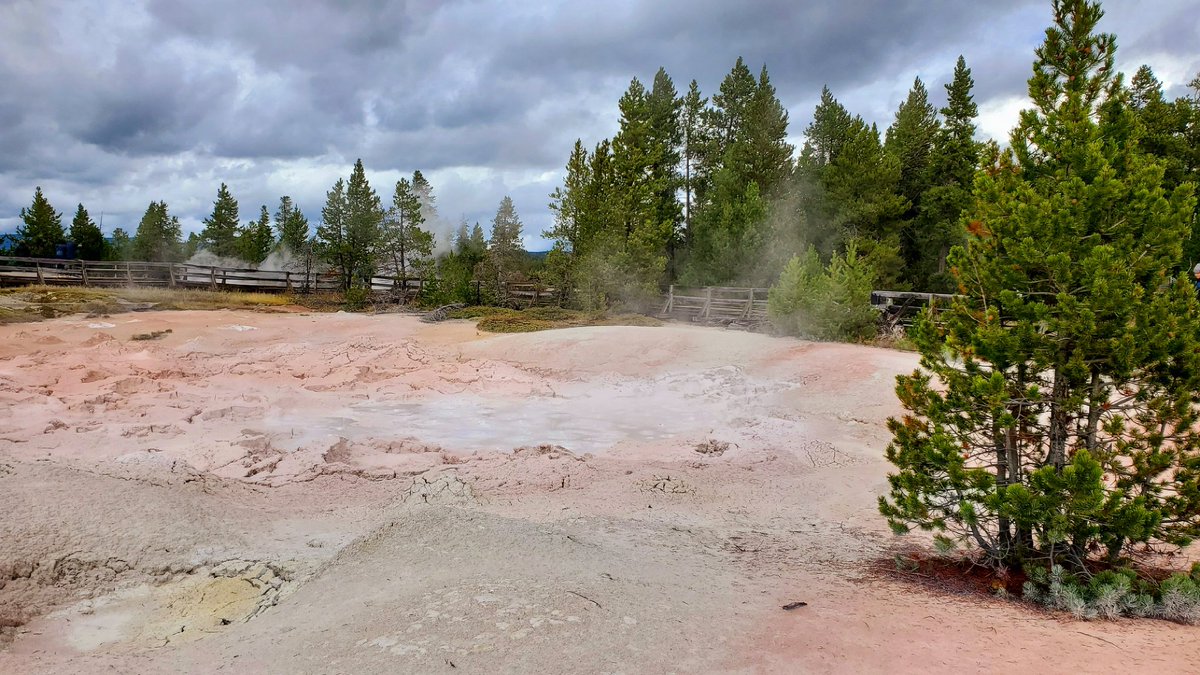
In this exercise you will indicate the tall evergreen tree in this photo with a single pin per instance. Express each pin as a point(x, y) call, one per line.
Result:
point(192, 245)
point(505, 243)
point(831, 128)
point(478, 242)
point(569, 204)
point(1165, 135)
point(951, 175)
point(89, 241)
point(159, 237)
point(220, 233)
point(348, 236)
point(729, 112)
point(332, 239)
point(663, 107)
point(911, 140)
point(291, 226)
point(1063, 423)
point(760, 153)
point(41, 230)
point(256, 239)
point(423, 191)
point(750, 159)
point(122, 245)
point(695, 138)
point(406, 247)
point(364, 214)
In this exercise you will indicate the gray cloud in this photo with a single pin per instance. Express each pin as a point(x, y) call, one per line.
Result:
point(116, 104)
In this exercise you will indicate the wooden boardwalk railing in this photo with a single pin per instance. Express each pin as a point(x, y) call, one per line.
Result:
point(54, 272)
point(22, 271)
point(900, 308)
point(716, 304)
point(529, 295)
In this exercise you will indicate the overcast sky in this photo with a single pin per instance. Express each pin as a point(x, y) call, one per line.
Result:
point(116, 103)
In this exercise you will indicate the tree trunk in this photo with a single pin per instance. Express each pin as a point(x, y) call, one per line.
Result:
point(1095, 407)
point(1001, 439)
point(1059, 427)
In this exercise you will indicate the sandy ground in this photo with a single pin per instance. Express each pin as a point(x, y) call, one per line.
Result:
point(292, 493)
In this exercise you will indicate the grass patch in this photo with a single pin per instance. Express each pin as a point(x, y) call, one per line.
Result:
point(500, 320)
point(34, 303)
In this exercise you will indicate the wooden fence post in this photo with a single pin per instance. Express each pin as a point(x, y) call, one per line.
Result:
point(171, 275)
point(287, 281)
point(707, 302)
point(83, 272)
point(41, 279)
point(212, 278)
point(129, 273)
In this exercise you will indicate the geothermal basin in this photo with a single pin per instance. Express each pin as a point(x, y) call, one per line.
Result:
point(298, 492)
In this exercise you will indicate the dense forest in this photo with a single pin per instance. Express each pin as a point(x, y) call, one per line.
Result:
point(693, 189)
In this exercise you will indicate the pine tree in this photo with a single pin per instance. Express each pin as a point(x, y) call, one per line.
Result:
point(910, 139)
point(478, 243)
point(729, 112)
point(363, 216)
point(749, 159)
point(121, 247)
point(1063, 421)
point(349, 234)
point(1165, 135)
point(256, 239)
point(695, 138)
point(220, 233)
point(761, 153)
point(505, 242)
point(291, 226)
point(332, 241)
point(89, 241)
point(664, 107)
point(951, 174)
point(462, 238)
point(861, 202)
point(158, 237)
point(505, 253)
point(192, 245)
point(424, 194)
point(41, 230)
point(831, 128)
point(570, 206)
point(813, 213)
point(404, 244)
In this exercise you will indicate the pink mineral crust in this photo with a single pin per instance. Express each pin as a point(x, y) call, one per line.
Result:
point(297, 492)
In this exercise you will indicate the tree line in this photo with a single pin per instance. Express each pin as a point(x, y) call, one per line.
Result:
point(358, 237)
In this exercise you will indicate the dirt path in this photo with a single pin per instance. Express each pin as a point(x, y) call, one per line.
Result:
point(345, 493)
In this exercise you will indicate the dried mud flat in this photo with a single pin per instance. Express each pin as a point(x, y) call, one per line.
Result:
point(341, 494)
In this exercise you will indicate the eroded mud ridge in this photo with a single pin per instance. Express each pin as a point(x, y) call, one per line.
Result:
point(346, 493)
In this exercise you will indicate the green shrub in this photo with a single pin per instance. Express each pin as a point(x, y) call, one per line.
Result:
point(357, 299)
point(826, 303)
point(1111, 594)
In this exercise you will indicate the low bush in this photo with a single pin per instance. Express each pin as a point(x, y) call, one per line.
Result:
point(1111, 594)
point(825, 302)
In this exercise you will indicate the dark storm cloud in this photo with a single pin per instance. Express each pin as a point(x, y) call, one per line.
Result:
point(120, 103)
